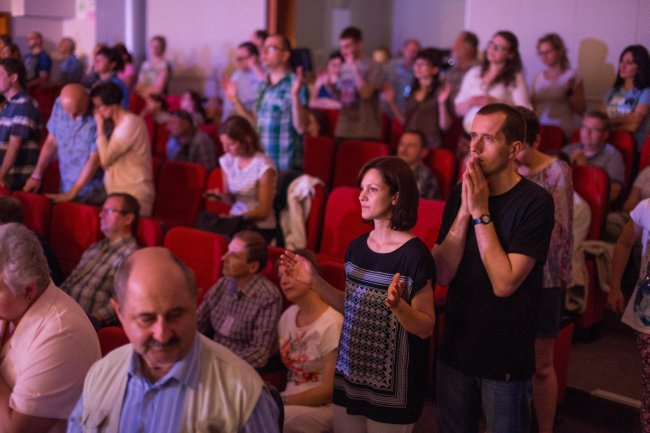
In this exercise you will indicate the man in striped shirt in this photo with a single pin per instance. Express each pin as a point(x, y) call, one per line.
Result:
point(20, 124)
point(170, 378)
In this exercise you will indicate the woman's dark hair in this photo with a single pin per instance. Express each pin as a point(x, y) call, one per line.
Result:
point(124, 53)
point(434, 58)
point(642, 77)
point(239, 129)
point(508, 74)
point(555, 40)
point(109, 93)
point(113, 56)
point(399, 178)
point(197, 102)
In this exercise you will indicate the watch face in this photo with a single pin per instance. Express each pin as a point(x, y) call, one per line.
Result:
point(485, 219)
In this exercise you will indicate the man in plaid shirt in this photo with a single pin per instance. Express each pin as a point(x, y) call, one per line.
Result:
point(187, 143)
point(91, 282)
point(241, 311)
point(280, 115)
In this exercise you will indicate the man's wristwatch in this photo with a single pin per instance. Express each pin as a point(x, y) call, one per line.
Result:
point(483, 219)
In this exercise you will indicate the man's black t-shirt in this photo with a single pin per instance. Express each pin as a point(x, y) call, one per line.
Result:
point(484, 335)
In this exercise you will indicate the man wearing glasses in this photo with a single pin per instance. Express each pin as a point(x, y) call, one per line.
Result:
point(593, 149)
point(280, 114)
point(91, 282)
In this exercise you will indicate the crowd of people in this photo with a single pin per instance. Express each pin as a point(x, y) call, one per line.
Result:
point(354, 358)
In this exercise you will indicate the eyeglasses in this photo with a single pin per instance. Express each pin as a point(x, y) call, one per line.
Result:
point(111, 211)
point(242, 58)
point(496, 47)
point(272, 49)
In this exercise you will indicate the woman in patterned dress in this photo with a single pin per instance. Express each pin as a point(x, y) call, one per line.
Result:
point(388, 315)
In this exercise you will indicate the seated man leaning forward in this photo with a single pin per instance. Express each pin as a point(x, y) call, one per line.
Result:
point(241, 311)
point(91, 282)
point(46, 341)
point(170, 378)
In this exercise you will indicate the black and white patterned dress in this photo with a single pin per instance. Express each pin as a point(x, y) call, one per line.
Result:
point(381, 368)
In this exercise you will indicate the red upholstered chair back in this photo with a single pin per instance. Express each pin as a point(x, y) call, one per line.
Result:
point(592, 184)
point(552, 138)
point(351, 155)
point(314, 223)
point(150, 232)
point(342, 224)
point(51, 179)
point(136, 103)
point(319, 157)
point(37, 211)
point(429, 221)
point(201, 251)
point(644, 161)
point(443, 164)
point(74, 228)
point(5, 191)
point(111, 338)
point(180, 193)
point(215, 180)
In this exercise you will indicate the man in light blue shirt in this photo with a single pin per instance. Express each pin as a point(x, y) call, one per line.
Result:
point(72, 136)
point(170, 378)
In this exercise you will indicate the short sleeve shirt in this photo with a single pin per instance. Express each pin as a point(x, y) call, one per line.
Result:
point(75, 142)
point(45, 361)
point(244, 184)
point(303, 348)
point(485, 335)
point(21, 118)
point(359, 118)
point(635, 314)
point(642, 182)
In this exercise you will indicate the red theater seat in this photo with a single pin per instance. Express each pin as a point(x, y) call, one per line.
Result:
point(180, 193)
point(644, 161)
point(111, 338)
point(319, 157)
point(443, 164)
point(351, 155)
point(201, 251)
point(74, 228)
point(342, 224)
point(552, 138)
point(215, 180)
point(314, 223)
point(150, 232)
point(429, 221)
point(51, 179)
point(37, 211)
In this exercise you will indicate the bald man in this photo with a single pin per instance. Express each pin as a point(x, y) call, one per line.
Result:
point(72, 136)
point(170, 378)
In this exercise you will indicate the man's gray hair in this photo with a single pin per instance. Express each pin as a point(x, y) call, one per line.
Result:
point(22, 261)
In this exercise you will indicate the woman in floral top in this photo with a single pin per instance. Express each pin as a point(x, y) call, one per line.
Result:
point(553, 175)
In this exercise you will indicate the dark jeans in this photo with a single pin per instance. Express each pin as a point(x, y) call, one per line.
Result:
point(461, 398)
